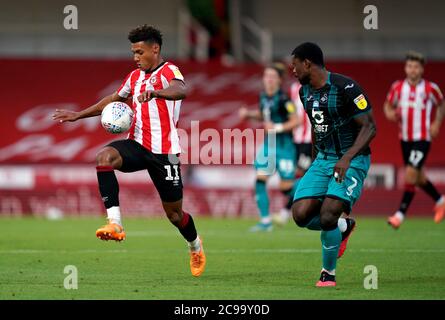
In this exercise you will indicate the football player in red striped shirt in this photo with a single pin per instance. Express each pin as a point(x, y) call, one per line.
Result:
point(410, 102)
point(156, 89)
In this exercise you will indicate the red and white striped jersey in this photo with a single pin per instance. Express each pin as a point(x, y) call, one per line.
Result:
point(414, 105)
point(302, 133)
point(156, 120)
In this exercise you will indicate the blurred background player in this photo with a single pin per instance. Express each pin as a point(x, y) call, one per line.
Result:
point(343, 126)
point(302, 135)
point(156, 88)
point(410, 102)
point(277, 112)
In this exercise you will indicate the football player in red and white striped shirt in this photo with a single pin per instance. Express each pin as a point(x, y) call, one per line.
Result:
point(156, 89)
point(302, 133)
point(410, 102)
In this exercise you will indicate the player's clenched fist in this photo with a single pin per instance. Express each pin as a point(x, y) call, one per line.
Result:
point(146, 96)
point(340, 169)
point(65, 115)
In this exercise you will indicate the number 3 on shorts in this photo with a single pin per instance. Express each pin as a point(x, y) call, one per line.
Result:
point(169, 172)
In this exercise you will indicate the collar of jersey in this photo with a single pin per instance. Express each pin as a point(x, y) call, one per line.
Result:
point(159, 65)
point(274, 95)
point(328, 82)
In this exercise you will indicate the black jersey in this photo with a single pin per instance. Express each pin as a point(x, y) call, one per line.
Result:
point(331, 110)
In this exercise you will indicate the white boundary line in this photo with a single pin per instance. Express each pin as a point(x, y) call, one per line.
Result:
point(259, 250)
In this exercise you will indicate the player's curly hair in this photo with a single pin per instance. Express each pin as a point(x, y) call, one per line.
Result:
point(145, 33)
point(310, 51)
point(415, 56)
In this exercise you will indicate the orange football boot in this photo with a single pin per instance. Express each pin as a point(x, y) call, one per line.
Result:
point(439, 212)
point(326, 280)
point(394, 221)
point(111, 231)
point(197, 261)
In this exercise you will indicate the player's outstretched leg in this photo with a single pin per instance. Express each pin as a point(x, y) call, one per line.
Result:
point(109, 159)
point(262, 200)
point(186, 226)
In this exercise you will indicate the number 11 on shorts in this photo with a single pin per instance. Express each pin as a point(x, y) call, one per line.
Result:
point(169, 172)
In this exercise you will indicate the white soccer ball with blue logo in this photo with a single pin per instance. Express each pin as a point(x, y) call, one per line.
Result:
point(117, 117)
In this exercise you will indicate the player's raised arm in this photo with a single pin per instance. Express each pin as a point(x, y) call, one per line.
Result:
point(92, 111)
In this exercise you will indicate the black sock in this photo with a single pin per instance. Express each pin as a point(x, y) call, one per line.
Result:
point(348, 224)
point(408, 195)
point(431, 190)
point(290, 201)
point(187, 227)
point(108, 186)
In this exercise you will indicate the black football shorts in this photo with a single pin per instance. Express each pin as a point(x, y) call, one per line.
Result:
point(164, 169)
point(415, 152)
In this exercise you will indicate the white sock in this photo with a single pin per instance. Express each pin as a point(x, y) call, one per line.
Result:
point(114, 215)
point(266, 220)
point(400, 215)
point(195, 245)
point(284, 214)
point(441, 200)
point(342, 224)
point(332, 273)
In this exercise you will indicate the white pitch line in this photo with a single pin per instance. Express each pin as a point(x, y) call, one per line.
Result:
point(258, 250)
point(34, 251)
point(146, 233)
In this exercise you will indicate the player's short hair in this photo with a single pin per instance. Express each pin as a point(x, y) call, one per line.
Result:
point(310, 51)
point(279, 67)
point(415, 56)
point(145, 33)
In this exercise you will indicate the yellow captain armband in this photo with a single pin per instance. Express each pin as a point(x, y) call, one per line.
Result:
point(290, 107)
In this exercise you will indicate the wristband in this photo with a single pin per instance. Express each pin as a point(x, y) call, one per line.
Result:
point(278, 127)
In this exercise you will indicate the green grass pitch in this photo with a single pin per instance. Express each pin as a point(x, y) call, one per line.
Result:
point(153, 262)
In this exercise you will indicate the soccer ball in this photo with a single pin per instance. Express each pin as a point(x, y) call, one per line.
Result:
point(117, 117)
